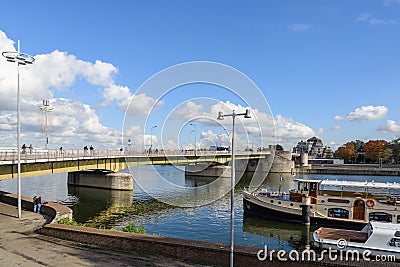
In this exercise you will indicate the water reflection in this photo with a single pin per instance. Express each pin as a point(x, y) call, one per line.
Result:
point(99, 206)
point(282, 235)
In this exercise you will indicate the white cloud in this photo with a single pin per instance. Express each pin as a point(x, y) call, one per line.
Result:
point(365, 113)
point(390, 2)
point(368, 18)
point(336, 127)
point(188, 111)
point(300, 27)
point(390, 127)
point(72, 121)
point(288, 131)
point(139, 104)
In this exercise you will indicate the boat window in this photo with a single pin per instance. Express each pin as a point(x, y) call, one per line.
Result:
point(335, 200)
point(394, 242)
point(397, 234)
point(380, 217)
point(338, 213)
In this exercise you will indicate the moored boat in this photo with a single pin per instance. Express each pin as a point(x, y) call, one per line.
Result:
point(351, 204)
point(376, 237)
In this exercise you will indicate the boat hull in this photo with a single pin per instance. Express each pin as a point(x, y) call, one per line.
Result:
point(258, 209)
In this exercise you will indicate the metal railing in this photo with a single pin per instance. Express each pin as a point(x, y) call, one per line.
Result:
point(40, 155)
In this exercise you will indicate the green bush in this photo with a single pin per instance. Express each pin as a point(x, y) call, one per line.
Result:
point(68, 221)
point(133, 228)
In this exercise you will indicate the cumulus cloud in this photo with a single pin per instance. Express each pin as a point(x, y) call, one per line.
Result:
point(365, 113)
point(259, 129)
point(390, 127)
point(56, 72)
point(300, 27)
point(139, 104)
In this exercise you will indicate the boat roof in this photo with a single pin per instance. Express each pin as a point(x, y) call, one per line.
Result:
point(365, 184)
point(385, 225)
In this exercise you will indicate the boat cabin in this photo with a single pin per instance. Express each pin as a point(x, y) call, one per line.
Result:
point(305, 187)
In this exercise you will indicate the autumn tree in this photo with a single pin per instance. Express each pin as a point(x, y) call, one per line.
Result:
point(359, 148)
point(346, 152)
point(395, 146)
point(375, 149)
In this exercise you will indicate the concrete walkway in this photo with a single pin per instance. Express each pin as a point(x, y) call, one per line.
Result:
point(21, 246)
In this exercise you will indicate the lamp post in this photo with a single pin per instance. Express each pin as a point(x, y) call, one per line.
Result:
point(20, 59)
point(151, 138)
point(46, 127)
point(195, 138)
point(221, 117)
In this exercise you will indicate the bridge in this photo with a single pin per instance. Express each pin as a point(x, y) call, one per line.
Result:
point(40, 162)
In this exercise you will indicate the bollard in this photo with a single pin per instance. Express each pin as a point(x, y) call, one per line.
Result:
point(305, 210)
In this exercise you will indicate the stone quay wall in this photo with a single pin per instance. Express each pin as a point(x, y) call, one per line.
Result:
point(214, 254)
point(53, 212)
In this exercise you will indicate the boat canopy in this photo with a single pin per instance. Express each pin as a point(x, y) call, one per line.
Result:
point(307, 180)
point(340, 183)
point(366, 184)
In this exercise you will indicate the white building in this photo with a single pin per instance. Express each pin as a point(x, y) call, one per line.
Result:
point(313, 147)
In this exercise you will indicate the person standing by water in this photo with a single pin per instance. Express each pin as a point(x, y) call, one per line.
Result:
point(37, 203)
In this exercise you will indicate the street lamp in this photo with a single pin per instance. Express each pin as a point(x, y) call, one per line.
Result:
point(46, 127)
point(20, 59)
point(221, 117)
point(195, 138)
point(151, 137)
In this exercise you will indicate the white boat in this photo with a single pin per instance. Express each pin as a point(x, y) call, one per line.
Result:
point(376, 237)
point(351, 204)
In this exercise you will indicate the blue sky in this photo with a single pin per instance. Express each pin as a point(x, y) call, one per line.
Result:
point(326, 68)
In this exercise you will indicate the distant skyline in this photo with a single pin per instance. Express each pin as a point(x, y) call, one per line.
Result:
point(326, 69)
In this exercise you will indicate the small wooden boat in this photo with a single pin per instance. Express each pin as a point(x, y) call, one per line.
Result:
point(376, 237)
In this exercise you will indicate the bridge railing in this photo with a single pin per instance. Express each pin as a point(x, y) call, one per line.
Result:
point(40, 155)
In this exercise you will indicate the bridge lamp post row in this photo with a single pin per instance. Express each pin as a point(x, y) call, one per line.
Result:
point(195, 138)
point(45, 127)
point(221, 117)
point(151, 137)
point(21, 59)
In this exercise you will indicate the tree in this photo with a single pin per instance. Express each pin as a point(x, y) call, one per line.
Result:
point(374, 149)
point(359, 148)
point(328, 153)
point(386, 154)
point(346, 152)
point(395, 146)
point(279, 147)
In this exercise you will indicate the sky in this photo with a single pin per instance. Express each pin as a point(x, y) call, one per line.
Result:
point(113, 70)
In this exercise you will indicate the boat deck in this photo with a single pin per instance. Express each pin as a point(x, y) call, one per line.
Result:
point(348, 235)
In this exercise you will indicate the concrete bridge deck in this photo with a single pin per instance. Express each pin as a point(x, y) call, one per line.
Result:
point(40, 163)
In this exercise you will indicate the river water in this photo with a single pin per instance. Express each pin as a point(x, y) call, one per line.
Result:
point(211, 222)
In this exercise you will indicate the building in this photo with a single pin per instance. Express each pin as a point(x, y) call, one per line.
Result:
point(313, 147)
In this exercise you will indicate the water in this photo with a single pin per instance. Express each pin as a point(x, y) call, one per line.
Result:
point(115, 209)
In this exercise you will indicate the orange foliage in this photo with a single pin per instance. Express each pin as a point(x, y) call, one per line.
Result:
point(346, 152)
point(374, 149)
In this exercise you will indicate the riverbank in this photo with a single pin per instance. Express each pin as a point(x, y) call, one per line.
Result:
point(351, 169)
point(31, 242)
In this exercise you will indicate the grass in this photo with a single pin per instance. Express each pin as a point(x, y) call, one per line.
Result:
point(133, 228)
